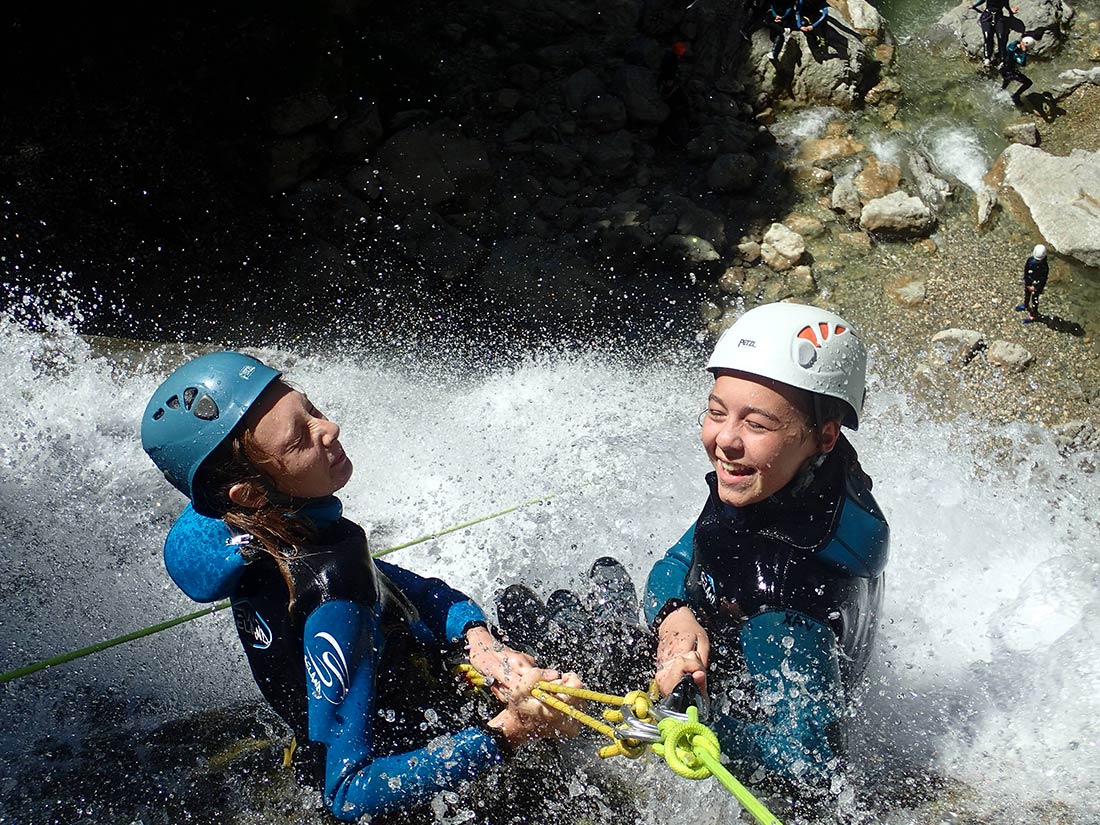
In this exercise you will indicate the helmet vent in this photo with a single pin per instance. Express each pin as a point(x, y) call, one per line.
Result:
point(173, 402)
point(159, 414)
point(189, 397)
point(206, 409)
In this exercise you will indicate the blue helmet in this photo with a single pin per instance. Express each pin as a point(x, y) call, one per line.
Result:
point(196, 409)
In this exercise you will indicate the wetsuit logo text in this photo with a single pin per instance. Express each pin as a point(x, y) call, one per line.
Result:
point(252, 627)
point(327, 668)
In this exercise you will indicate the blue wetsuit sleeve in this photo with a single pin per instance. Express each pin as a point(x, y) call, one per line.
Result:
point(792, 660)
point(446, 612)
point(816, 23)
point(975, 5)
point(342, 643)
point(203, 556)
point(668, 578)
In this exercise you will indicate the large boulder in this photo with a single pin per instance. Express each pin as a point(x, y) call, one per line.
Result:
point(836, 69)
point(1060, 195)
point(897, 214)
point(1042, 19)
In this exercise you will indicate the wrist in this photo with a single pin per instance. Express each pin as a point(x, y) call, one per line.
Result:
point(670, 607)
point(506, 731)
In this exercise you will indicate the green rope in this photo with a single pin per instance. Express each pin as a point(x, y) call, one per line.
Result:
point(749, 802)
point(61, 659)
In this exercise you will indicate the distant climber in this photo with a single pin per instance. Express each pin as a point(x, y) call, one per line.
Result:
point(994, 22)
point(1015, 59)
point(1036, 270)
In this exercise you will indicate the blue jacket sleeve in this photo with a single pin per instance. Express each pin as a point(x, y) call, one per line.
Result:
point(447, 612)
point(667, 580)
point(342, 644)
point(821, 18)
point(792, 659)
point(203, 557)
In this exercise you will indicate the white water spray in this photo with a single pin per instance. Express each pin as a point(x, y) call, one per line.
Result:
point(988, 645)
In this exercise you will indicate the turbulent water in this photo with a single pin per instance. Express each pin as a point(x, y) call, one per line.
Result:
point(981, 705)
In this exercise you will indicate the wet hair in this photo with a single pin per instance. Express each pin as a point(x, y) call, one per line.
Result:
point(278, 530)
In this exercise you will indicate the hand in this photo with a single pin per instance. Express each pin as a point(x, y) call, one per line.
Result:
point(778, 19)
point(1030, 289)
point(683, 646)
point(503, 668)
point(806, 28)
point(526, 718)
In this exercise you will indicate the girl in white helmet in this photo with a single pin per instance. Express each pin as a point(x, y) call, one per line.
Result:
point(771, 599)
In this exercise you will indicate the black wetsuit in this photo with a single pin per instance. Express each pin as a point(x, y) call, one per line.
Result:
point(789, 591)
point(994, 22)
point(1015, 59)
point(1036, 271)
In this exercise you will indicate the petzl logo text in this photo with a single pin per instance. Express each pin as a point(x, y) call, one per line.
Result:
point(327, 668)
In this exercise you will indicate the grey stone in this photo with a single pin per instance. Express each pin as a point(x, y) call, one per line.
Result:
point(897, 214)
point(1008, 355)
point(955, 346)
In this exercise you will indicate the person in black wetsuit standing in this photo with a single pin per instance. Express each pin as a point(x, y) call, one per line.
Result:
point(994, 22)
point(1036, 270)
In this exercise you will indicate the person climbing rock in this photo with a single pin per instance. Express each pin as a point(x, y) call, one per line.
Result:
point(994, 19)
point(1036, 270)
point(1015, 59)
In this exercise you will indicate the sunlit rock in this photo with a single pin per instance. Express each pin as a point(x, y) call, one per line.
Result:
point(1060, 195)
point(1042, 19)
point(1013, 357)
point(782, 247)
point(897, 214)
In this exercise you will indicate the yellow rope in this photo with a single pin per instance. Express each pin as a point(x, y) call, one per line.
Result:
point(688, 746)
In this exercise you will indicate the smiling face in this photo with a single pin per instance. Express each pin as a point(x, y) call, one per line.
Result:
point(299, 449)
point(757, 438)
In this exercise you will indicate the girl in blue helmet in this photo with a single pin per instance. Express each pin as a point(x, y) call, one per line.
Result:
point(349, 651)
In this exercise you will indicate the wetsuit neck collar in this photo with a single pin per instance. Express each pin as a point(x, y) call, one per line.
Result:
point(323, 512)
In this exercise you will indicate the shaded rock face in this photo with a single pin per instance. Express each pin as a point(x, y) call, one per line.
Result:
point(1060, 195)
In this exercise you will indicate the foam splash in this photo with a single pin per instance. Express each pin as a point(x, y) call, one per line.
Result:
point(988, 651)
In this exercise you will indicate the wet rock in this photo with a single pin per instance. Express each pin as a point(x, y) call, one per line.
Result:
point(845, 198)
point(801, 281)
point(1025, 133)
point(782, 248)
point(732, 173)
point(1073, 79)
point(805, 225)
point(860, 241)
point(955, 346)
point(610, 155)
point(931, 188)
point(749, 251)
point(827, 150)
point(877, 179)
point(810, 176)
point(1061, 195)
point(907, 291)
point(1042, 19)
point(863, 16)
point(692, 248)
point(985, 200)
point(1012, 357)
point(885, 90)
point(897, 214)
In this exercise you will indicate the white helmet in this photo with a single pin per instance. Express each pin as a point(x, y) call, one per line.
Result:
point(803, 346)
point(1029, 42)
point(1039, 252)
